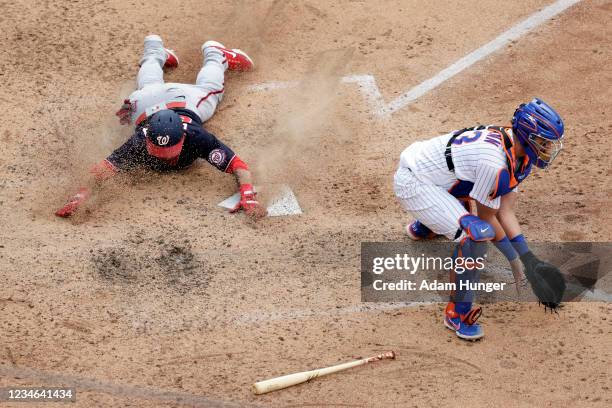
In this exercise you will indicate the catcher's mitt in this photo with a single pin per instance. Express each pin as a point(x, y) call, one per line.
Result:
point(546, 280)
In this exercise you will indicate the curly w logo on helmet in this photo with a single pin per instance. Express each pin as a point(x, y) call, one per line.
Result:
point(163, 140)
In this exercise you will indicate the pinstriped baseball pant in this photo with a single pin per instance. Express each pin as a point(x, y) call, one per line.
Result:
point(430, 204)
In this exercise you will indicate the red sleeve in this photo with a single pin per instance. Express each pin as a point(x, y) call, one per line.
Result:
point(103, 170)
point(236, 164)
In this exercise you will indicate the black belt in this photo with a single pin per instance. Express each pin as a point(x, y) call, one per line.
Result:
point(447, 153)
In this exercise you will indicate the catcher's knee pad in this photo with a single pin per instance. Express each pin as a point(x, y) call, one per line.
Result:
point(477, 229)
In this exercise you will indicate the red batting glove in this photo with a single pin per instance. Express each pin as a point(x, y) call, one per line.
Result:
point(125, 113)
point(73, 204)
point(248, 202)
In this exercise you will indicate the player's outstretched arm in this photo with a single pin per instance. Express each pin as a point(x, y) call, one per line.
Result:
point(489, 215)
point(218, 154)
point(248, 197)
point(99, 173)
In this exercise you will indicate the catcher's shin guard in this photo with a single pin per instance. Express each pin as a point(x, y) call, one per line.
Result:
point(459, 315)
point(469, 262)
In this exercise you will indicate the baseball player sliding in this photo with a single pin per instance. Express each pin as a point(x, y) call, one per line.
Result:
point(484, 164)
point(168, 120)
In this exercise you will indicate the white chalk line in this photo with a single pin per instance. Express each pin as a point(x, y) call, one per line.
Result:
point(373, 97)
point(508, 36)
point(370, 91)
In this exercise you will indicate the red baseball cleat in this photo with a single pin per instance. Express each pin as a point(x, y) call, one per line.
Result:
point(237, 60)
point(172, 60)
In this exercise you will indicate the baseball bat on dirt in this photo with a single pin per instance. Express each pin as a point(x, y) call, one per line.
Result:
point(285, 381)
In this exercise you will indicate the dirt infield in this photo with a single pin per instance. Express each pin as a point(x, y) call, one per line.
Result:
point(156, 297)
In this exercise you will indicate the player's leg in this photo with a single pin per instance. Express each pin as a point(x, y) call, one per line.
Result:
point(211, 80)
point(433, 206)
point(418, 231)
point(469, 256)
point(444, 215)
point(154, 58)
point(460, 315)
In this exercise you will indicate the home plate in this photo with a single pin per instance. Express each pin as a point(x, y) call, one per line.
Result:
point(284, 203)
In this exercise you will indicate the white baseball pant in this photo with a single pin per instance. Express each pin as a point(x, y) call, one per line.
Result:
point(432, 205)
point(202, 97)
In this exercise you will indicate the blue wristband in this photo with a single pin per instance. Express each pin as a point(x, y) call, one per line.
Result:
point(505, 247)
point(520, 245)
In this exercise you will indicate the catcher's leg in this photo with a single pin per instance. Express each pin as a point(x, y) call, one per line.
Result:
point(418, 231)
point(210, 80)
point(469, 260)
point(432, 205)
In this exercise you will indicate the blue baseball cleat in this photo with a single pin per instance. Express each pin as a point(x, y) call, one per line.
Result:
point(417, 231)
point(464, 326)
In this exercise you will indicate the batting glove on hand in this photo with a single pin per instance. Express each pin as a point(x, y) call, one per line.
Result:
point(125, 113)
point(248, 203)
point(73, 204)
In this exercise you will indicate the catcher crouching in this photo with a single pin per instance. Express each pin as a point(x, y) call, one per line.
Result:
point(437, 179)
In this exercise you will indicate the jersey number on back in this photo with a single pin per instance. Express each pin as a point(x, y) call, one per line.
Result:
point(492, 137)
point(467, 138)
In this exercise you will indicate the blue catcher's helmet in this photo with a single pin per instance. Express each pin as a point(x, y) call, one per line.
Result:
point(164, 134)
point(539, 130)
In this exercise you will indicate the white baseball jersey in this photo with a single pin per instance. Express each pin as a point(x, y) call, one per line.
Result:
point(428, 190)
point(478, 157)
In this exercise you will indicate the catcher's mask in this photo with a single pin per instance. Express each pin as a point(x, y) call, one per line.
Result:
point(539, 129)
